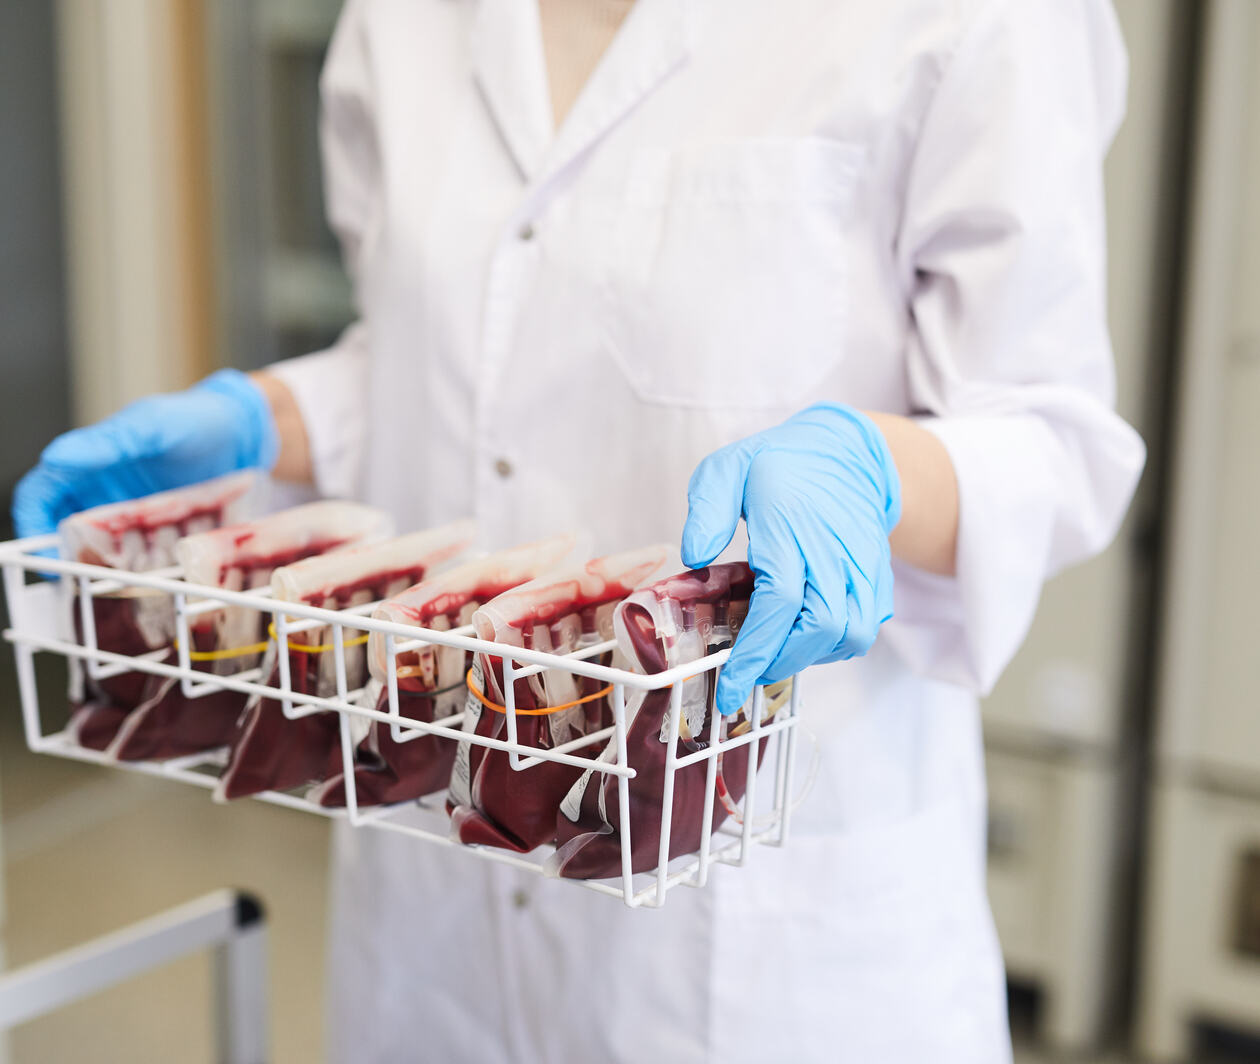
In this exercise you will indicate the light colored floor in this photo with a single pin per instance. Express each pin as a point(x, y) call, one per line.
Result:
point(88, 850)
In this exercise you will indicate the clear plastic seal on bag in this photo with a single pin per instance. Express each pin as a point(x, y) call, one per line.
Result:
point(140, 535)
point(232, 639)
point(674, 621)
point(431, 680)
point(269, 750)
point(490, 803)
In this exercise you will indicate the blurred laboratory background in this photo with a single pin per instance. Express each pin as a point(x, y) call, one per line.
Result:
point(159, 176)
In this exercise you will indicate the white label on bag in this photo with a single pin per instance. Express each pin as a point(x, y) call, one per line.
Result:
point(461, 774)
point(571, 807)
point(572, 804)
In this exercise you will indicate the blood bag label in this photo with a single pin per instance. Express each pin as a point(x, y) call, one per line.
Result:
point(461, 773)
point(572, 805)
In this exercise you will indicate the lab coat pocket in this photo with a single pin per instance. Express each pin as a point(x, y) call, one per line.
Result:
point(726, 282)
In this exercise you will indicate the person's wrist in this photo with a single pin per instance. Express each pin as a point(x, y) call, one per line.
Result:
point(259, 445)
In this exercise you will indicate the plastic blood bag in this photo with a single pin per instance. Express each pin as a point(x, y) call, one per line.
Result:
point(431, 679)
point(677, 620)
point(232, 639)
point(559, 613)
point(270, 751)
point(138, 536)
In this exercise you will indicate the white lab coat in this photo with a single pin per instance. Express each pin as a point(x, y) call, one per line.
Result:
point(752, 206)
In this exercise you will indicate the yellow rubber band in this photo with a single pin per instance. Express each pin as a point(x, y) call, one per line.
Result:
point(259, 648)
point(777, 696)
point(545, 711)
point(223, 655)
point(319, 648)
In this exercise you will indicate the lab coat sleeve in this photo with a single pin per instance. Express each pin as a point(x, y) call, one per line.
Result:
point(1002, 251)
point(331, 387)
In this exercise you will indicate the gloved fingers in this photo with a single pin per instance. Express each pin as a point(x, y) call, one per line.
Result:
point(715, 500)
point(864, 622)
point(116, 440)
point(815, 636)
point(150, 430)
point(884, 584)
point(776, 602)
point(867, 609)
point(40, 500)
point(87, 449)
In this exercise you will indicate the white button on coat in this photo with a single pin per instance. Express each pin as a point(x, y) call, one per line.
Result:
point(751, 207)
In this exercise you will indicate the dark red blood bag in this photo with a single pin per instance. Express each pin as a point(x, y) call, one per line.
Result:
point(674, 621)
point(140, 536)
point(431, 682)
point(270, 751)
point(232, 639)
point(491, 803)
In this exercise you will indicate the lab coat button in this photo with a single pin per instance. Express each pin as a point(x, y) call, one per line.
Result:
point(526, 232)
point(520, 898)
point(503, 467)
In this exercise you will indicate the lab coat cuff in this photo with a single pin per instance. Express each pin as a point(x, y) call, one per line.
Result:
point(965, 629)
point(330, 389)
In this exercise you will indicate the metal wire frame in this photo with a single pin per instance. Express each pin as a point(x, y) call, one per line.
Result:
point(731, 844)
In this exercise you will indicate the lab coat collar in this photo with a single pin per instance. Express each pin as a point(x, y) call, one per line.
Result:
point(510, 67)
point(652, 42)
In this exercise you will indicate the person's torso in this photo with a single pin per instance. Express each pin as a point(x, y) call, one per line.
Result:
point(562, 324)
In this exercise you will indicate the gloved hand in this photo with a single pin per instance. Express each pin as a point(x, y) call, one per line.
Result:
point(819, 495)
point(222, 424)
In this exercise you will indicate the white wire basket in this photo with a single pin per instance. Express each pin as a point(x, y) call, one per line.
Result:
point(39, 611)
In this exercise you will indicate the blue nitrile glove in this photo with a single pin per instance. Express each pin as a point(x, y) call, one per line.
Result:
point(220, 425)
point(819, 495)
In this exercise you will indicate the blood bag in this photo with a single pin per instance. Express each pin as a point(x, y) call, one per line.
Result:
point(490, 802)
point(232, 639)
point(431, 679)
point(677, 620)
point(139, 536)
point(270, 751)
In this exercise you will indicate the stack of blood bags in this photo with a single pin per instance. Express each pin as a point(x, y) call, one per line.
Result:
point(334, 555)
point(270, 751)
point(140, 536)
point(490, 802)
point(430, 680)
point(677, 620)
point(232, 639)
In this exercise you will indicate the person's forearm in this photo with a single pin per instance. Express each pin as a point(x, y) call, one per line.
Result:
point(294, 463)
point(927, 535)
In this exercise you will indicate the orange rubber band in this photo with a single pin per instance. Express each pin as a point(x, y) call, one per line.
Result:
point(545, 711)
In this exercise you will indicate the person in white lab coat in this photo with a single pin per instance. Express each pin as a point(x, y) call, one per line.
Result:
point(749, 208)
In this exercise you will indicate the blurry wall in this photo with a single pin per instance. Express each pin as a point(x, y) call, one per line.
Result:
point(1200, 954)
point(132, 122)
point(1067, 725)
point(34, 402)
point(281, 289)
